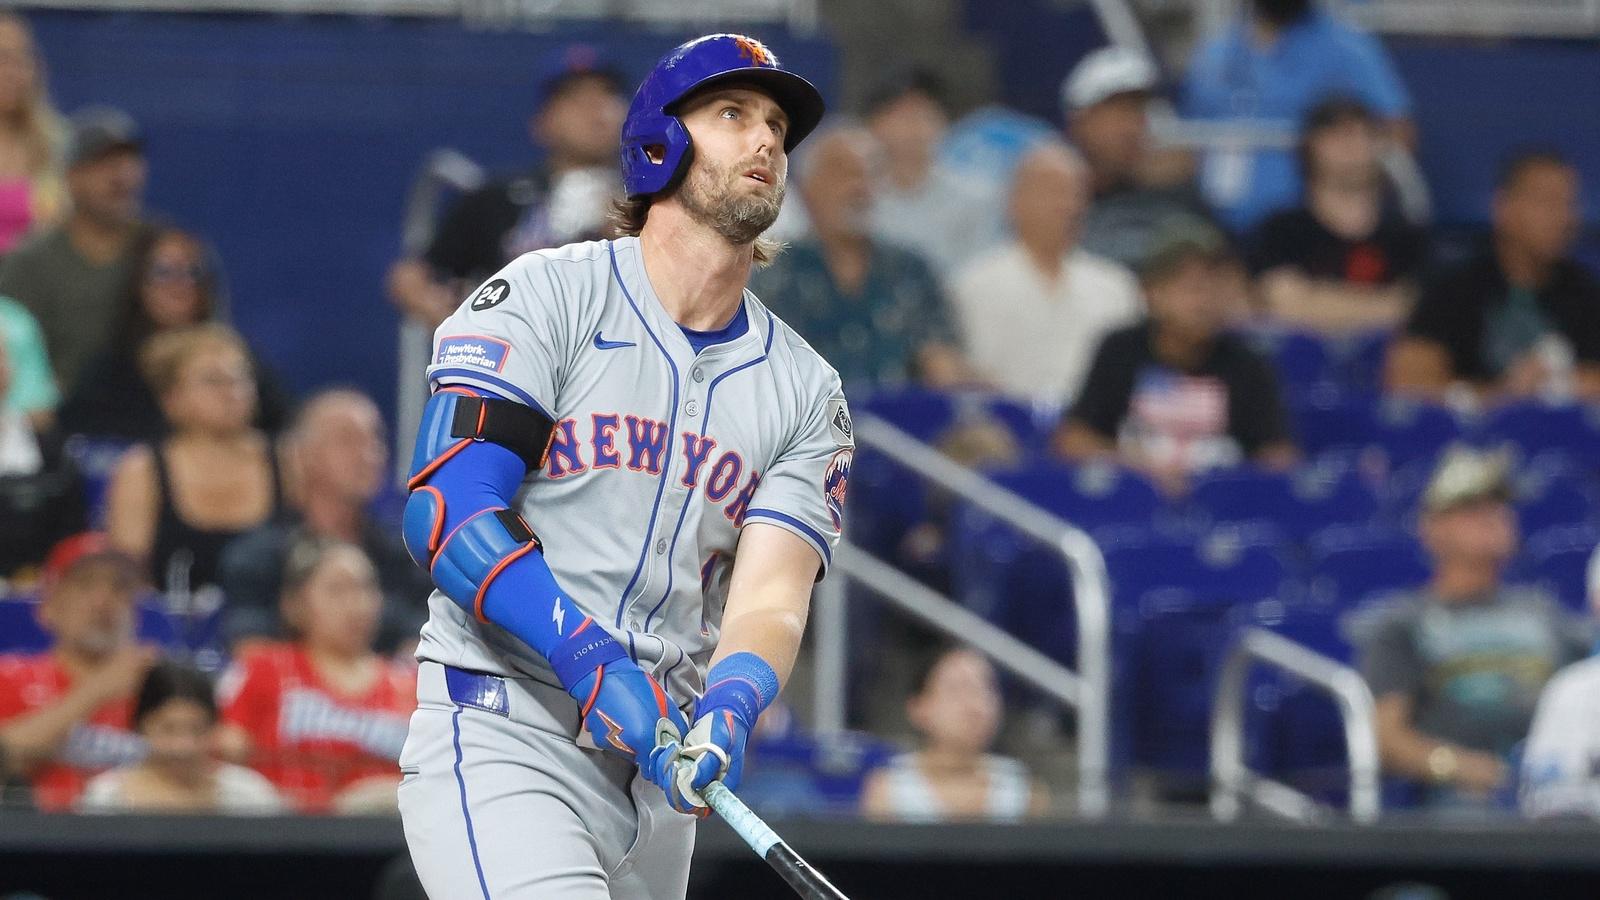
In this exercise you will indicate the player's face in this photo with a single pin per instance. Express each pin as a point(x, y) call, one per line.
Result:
point(19, 68)
point(170, 292)
point(215, 392)
point(110, 189)
point(345, 450)
point(90, 611)
point(959, 709)
point(339, 606)
point(178, 733)
point(582, 123)
point(737, 176)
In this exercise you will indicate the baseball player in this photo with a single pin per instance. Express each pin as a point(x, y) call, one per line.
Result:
point(627, 479)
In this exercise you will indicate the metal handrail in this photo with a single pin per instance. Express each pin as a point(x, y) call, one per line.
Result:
point(1087, 690)
point(1231, 778)
point(443, 169)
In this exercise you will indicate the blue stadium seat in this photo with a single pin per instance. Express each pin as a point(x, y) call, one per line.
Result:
point(95, 459)
point(1302, 360)
point(20, 631)
point(1411, 432)
point(1172, 659)
point(922, 413)
point(1537, 428)
point(1352, 563)
point(1553, 494)
point(1558, 561)
point(1091, 496)
point(1293, 730)
point(1361, 360)
point(1331, 493)
point(1334, 421)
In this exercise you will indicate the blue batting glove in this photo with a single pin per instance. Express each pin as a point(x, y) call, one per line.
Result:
point(622, 707)
point(741, 687)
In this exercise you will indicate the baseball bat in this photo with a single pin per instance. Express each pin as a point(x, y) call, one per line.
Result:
point(806, 881)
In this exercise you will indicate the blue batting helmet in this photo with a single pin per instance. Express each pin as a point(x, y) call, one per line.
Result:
point(701, 63)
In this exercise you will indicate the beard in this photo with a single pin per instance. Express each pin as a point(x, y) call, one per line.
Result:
point(711, 196)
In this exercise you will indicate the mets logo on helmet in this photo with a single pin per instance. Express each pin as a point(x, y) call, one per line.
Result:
point(755, 51)
point(835, 481)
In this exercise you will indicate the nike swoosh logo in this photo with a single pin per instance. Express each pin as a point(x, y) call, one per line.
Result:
point(601, 343)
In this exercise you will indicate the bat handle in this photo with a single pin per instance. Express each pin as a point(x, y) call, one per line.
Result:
point(745, 823)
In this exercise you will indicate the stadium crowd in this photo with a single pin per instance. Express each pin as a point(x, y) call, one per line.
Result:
point(1258, 368)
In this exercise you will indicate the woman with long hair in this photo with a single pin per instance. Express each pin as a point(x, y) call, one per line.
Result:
point(31, 192)
point(174, 286)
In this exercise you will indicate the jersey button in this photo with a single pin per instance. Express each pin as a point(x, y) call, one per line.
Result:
point(661, 545)
point(699, 374)
point(692, 408)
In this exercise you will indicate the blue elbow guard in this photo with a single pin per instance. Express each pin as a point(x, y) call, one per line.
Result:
point(472, 454)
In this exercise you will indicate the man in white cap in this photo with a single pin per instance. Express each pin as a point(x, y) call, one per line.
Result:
point(1457, 667)
point(1137, 188)
point(1561, 761)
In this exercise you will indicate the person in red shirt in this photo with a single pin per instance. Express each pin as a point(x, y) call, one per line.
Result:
point(65, 713)
point(324, 716)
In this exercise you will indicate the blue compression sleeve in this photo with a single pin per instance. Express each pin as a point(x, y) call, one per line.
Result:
point(743, 682)
point(486, 571)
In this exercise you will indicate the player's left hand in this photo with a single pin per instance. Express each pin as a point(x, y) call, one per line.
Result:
point(715, 747)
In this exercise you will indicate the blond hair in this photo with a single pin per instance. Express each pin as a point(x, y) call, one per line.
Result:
point(40, 126)
point(163, 357)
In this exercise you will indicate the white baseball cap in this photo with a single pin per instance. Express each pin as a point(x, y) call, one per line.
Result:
point(1106, 73)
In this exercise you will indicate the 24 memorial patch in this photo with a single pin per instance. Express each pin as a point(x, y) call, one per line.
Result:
point(491, 295)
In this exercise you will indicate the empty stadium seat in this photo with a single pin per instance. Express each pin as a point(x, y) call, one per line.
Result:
point(1352, 563)
point(1311, 498)
point(1410, 432)
point(1303, 361)
point(1333, 421)
point(1536, 428)
point(1552, 494)
point(1557, 560)
point(20, 631)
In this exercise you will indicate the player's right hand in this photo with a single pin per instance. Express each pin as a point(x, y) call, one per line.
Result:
point(628, 714)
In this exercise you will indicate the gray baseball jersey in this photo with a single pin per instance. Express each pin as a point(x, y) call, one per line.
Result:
point(661, 454)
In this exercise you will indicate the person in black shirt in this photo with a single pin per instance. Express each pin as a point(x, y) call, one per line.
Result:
point(1344, 261)
point(1521, 318)
point(564, 200)
point(1175, 395)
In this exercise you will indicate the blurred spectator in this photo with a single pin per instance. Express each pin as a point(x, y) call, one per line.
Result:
point(917, 203)
point(69, 277)
point(565, 199)
point(1266, 71)
point(173, 286)
point(1138, 188)
point(176, 715)
point(955, 706)
point(1561, 760)
point(31, 134)
point(873, 310)
point(32, 386)
point(1521, 318)
point(175, 504)
point(1345, 260)
point(65, 713)
point(324, 717)
point(1457, 667)
point(41, 492)
point(1176, 394)
point(338, 462)
point(1033, 309)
